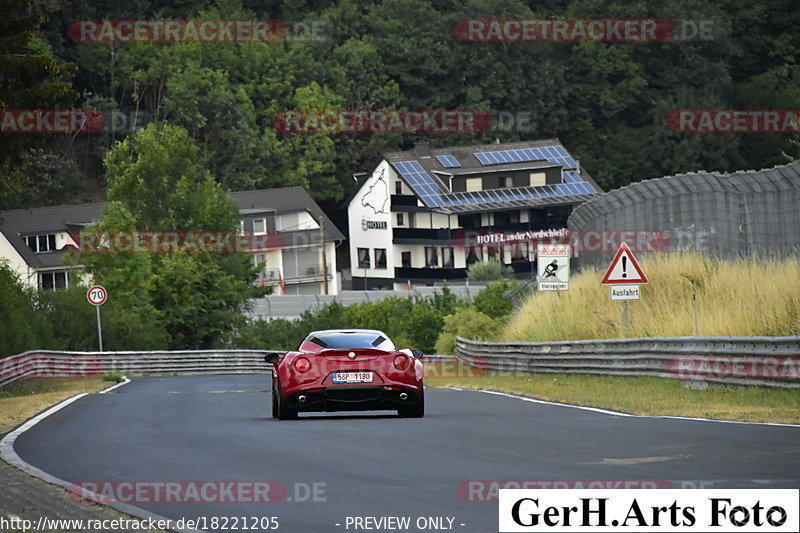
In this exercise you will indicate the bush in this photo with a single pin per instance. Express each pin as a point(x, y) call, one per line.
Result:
point(491, 300)
point(126, 325)
point(388, 315)
point(489, 270)
point(470, 323)
point(411, 322)
point(275, 334)
point(24, 326)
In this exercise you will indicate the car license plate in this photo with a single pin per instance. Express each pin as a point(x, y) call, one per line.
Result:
point(352, 377)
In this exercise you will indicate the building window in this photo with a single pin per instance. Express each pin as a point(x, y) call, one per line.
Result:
point(431, 257)
point(474, 184)
point(538, 178)
point(519, 252)
point(52, 281)
point(398, 187)
point(514, 217)
point(300, 263)
point(502, 218)
point(260, 262)
point(380, 258)
point(469, 221)
point(473, 255)
point(259, 226)
point(405, 258)
point(447, 257)
point(493, 253)
point(412, 220)
point(400, 219)
point(507, 181)
point(41, 243)
point(363, 258)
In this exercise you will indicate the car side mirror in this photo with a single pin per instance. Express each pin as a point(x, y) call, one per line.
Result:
point(271, 357)
point(417, 353)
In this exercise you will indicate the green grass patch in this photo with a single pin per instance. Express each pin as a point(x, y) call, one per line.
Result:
point(642, 395)
point(21, 400)
point(726, 294)
point(114, 377)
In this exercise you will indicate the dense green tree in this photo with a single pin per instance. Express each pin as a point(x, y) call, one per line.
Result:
point(157, 182)
point(30, 79)
point(24, 325)
point(491, 300)
point(608, 101)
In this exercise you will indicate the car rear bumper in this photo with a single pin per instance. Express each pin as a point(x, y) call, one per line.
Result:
point(353, 398)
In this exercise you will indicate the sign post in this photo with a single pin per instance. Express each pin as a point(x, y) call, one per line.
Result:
point(624, 276)
point(97, 296)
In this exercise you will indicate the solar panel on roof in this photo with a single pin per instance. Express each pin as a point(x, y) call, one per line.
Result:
point(430, 192)
point(420, 182)
point(448, 161)
point(553, 154)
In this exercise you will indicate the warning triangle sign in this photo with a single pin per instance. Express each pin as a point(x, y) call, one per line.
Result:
point(624, 269)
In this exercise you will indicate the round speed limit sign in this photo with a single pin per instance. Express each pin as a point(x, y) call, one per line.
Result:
point(97, 295)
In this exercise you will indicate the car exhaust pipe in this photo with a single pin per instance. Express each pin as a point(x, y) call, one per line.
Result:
point(403, 396)
point(301, 399)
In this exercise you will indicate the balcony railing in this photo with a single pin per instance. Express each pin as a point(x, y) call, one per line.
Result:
point(307, 273)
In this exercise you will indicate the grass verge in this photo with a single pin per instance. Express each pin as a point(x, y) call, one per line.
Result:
point(21, 400)
point(642, 395)
point(740, 298)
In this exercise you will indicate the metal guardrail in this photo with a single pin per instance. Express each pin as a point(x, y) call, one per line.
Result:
point(46, 363)
point(767, 361)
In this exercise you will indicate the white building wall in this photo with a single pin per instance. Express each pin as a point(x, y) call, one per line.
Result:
point(297, 221)
point(440, 221)
point(417, 255)
point(371, 206)
point(15, 261)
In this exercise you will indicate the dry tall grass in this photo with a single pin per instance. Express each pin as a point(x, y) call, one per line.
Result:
point(741, 298)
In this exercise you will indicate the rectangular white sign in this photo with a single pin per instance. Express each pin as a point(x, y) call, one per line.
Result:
point(648, 510)
point(624, 292)
point(552, 261)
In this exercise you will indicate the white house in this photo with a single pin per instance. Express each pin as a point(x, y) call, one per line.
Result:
point(426, 215)
point(35, 241)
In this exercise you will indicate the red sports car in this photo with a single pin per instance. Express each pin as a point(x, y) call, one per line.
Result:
point(347, 370)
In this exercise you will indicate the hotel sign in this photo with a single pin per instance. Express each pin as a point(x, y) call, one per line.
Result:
point(373, 224)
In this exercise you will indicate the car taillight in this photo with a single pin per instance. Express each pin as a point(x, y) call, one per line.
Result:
point(401, 362)
point(302, 364)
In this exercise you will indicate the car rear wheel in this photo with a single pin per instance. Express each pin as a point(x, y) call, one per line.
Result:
point(275, 412)
point(417, 408)
point(283, 410)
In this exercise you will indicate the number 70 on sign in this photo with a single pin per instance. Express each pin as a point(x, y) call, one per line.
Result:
point(97, 295)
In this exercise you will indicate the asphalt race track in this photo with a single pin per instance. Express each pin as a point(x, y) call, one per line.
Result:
point(219, 428)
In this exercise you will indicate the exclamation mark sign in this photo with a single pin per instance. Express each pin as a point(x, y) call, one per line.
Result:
point(624, 266)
